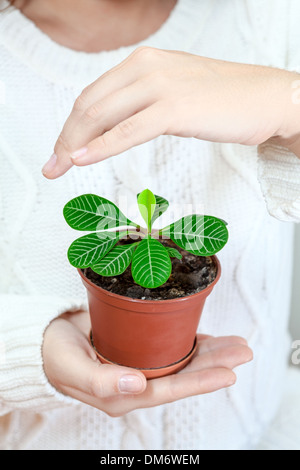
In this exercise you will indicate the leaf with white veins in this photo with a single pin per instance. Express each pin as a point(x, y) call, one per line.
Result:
point(161, 206)
point(201, 235)
point(89, 249)
point(116, 261)
point(151, 265)
point(90, 213)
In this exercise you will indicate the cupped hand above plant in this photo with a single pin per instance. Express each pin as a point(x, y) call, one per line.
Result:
point(156, 92)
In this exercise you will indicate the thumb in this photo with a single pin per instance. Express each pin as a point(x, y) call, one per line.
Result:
point(107, 380)
point(81, 373)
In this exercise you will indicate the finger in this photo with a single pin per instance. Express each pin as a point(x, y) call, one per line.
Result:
point(60, 162)
point(220, 342)
point(137, 65)
point(102, 116)
point(120, 76)
point(178, 386)
point(228, 357)
point(161, 391)
point(138, 129)
point(202, 337)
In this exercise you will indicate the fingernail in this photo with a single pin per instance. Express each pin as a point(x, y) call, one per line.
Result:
point(79, 153)
point(130, 384)
point(50, 164)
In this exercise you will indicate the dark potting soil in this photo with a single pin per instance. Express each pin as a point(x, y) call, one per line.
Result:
point(189, 275)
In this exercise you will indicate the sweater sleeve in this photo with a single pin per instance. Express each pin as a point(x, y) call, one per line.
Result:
point(23, 383)
point(278, 168)
point(279, 176)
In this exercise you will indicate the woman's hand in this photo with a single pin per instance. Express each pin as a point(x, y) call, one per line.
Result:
point(155, 92)
point(72, 367)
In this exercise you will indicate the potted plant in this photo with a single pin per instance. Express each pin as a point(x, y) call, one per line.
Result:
point(146, 288)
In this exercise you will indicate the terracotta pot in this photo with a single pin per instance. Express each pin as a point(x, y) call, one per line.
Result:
point(156, 336)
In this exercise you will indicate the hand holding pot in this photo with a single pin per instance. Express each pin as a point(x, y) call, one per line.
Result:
point(72, 367)
point(155, 92)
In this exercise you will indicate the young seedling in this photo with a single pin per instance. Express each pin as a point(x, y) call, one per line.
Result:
point(150, 259)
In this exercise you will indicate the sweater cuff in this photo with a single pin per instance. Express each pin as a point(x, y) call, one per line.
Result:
point(279, 177)
point(23, 383)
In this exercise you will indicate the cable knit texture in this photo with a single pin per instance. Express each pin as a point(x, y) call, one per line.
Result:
point(279, 173)
point(254, 191)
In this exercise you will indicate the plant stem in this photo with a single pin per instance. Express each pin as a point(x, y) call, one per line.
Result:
point(159, 233)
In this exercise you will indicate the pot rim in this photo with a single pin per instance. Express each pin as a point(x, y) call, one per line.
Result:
point(156, 302)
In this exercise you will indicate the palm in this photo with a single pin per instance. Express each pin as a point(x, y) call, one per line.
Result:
point(72, 366)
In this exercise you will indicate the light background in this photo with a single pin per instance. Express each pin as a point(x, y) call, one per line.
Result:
point(295, 313)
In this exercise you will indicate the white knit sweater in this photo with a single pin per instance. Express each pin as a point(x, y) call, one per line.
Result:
point(257, 195)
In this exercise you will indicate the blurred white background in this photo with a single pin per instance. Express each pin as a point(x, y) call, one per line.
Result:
point(295, 314)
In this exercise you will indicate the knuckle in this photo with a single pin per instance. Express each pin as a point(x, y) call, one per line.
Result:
point(81, 101)
point(144, 53)
point(92, 113)
point(124, 130)
point(104, 144)
point(62, 143)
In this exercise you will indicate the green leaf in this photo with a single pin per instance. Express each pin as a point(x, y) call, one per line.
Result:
point(147, 202)
point(89, 249)
point(202, 235)
point(161, 206)
point(90, 213)
point(151, 265)
point(116, 261)
point(173, 253)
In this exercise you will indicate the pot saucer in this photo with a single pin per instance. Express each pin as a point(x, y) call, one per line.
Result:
point(157, 372)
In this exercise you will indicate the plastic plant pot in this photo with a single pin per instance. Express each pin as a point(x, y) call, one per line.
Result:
point(156, 336)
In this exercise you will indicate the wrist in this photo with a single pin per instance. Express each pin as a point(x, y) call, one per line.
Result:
point(288, 135)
